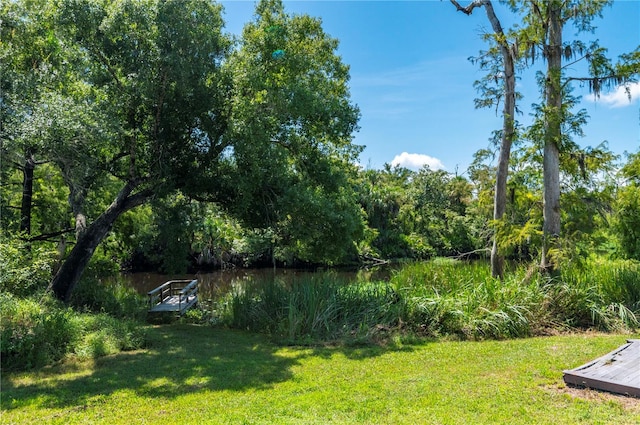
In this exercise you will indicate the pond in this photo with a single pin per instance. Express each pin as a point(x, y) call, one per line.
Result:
point(213, 284)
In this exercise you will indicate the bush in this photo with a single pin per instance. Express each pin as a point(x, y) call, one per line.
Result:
point(33, 333)
point(23, 271)
point(115, 298)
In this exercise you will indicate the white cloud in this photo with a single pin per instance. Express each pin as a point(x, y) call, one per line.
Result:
point(415, 161)
point(620, 97)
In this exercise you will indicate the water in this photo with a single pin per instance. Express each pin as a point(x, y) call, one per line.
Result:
point(211, 285)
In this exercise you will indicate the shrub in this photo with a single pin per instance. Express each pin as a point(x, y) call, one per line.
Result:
point(33, 333)
point(23, 271)
point(115, 298)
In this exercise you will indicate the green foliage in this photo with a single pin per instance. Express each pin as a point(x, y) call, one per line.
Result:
point(115, 298)
point(419, 215)
point(605, 294)
point(382, 193)
point(173, 225)
point(627, 207)
point(117, 99)
point(441, 297)
point(453, 298)
point(37, 332)
point(101, 334)
point(33, 333)
point(291, 130)
point(218, 238)
point(314, 309)
point(24, 269)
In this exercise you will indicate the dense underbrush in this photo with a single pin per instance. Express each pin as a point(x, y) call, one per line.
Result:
point(38, 330)
point(440, 298)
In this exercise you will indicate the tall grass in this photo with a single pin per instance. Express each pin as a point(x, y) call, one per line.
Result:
point(605, 294)
point(443, 297)
point(458, 298)
point(313, 308)
point(38, 330)
point(33, 333)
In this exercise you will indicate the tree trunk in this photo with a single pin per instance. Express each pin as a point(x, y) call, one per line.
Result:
point(552, 138)
point(508, 133)
point(27, 193)
point(71, 270)
point(508, 125)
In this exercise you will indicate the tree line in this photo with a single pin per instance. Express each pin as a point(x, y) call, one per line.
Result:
point(139, 134)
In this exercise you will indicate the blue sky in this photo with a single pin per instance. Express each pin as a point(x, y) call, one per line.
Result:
point(412, 80)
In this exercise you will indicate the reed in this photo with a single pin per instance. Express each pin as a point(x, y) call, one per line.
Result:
point(313, 308)
point(459, 298)
point(605, 294)
point(441, 298)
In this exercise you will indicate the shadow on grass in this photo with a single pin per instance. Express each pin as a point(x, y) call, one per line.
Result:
point(181, 359)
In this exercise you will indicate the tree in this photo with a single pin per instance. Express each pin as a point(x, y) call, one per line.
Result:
point(382, 195)
point(545, 22)
point(509, 57)
point(151, 66)
point(24, 80)
point(436, 213)
point(627, 217)
point(291, 128)
point(152, 105)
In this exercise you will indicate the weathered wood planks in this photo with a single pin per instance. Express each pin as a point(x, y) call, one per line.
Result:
point(173, 296)
point(617, 371)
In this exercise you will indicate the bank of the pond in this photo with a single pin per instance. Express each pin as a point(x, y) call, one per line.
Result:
point(439, 298)
point(449, 299)
point(198, 374)
point(212, 284)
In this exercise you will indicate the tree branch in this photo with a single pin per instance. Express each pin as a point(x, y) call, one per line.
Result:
point(469, 9)
point(47, 236)
point(470, 253)
point(595, 83)
point(137, 199)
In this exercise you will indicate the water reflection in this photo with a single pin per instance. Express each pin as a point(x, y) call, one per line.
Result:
point(213, 284)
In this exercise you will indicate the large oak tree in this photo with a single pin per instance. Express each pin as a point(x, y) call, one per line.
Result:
point(151, 97)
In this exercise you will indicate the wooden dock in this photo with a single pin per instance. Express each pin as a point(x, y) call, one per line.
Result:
point(174, 296)
point(617, 371)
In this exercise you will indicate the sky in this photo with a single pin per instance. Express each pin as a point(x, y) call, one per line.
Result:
point(413, 82)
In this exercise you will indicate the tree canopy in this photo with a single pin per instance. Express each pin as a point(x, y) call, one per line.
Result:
point(141, 127)
point(135, 100)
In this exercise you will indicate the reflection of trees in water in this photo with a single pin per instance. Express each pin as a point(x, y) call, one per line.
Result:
point(212, 285)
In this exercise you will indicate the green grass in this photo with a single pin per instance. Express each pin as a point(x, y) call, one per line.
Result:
point(199, 374)
point(314, 309)
point(440, 298)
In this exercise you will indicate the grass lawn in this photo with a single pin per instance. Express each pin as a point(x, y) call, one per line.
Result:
point(202, 375)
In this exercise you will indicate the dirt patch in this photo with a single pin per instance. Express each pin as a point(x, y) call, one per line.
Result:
point(631, 404)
